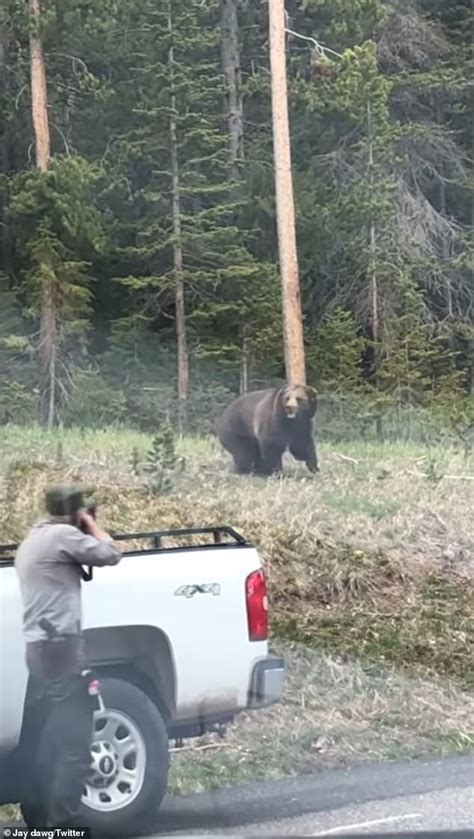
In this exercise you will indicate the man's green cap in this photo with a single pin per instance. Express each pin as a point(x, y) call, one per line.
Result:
point(64, 500)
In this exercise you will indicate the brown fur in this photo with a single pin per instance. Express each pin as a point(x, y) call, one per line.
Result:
point(260, 426)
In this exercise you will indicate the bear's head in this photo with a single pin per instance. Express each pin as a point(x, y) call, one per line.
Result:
point(298, 400)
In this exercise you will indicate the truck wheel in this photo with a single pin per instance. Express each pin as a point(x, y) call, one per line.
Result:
point(130, 762)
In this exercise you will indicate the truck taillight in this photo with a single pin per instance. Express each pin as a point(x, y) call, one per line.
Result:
point(257, 606)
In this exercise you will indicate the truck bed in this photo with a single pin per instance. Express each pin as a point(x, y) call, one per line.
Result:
point(182, 622)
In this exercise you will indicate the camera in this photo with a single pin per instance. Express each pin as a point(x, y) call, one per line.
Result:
point(91, 511)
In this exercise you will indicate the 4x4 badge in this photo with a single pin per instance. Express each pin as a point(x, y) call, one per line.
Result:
point(204, 588)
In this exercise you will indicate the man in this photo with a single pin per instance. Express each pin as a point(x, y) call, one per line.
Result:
point(58, 708)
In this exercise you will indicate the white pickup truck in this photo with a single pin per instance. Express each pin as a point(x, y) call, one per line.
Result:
point(179, 638)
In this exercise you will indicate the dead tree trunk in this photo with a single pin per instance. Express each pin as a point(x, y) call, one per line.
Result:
point(180, 310)
point(444, 241)
point(233, 106)
point(471, 389)
point(49, 353)
point(374, 285)
point(39, 95)
point(234, 117)
point(5, 148)
point(244, 364)
point(291, 297)
point(374, 291)
point(48, 348)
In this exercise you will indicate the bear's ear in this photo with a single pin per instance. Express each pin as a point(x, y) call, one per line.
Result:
point(311, 393)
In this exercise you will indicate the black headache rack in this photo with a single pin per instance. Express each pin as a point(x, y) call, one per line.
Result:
point(218, 534)
point(222, 536)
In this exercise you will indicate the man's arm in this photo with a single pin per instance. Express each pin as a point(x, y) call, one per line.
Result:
point(92, 548)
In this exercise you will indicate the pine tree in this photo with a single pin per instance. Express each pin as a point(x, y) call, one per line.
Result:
point(56, 228)
point(335, 358)
point(162, 460)
point(221, 279)
point(382, 224)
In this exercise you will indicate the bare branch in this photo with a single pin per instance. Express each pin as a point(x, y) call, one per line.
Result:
point(74, 59)
point(63, 137)
point(320, 49)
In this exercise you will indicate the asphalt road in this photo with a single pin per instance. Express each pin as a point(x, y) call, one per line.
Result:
point(381, 798)
point(391, 799)
point(450, 809)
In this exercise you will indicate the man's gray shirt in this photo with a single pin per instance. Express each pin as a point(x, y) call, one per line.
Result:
point(48, 563)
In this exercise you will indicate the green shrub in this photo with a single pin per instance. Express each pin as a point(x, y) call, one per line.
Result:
point(162, 461)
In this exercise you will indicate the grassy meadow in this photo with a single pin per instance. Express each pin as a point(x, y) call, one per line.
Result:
point(370, 567)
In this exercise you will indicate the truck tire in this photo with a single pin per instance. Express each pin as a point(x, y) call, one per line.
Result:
point(130, 762)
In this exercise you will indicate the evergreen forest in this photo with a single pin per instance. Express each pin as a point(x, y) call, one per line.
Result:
point(139, 276)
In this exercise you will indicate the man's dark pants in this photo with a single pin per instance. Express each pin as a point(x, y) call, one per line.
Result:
point(57, 737)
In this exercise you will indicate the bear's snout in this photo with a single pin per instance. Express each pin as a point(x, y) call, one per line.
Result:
point(291, 408)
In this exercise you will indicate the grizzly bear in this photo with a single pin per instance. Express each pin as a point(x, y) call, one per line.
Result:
point(258, 427)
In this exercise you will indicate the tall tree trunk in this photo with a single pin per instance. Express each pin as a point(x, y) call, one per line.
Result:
point(49, 315)
point(292, 313)
point(374, 292)
point(374, 299)
point(244, 364)
point(5, 147)
point(471, 388)
point(374, 286)
point(442, 210)
point(49, 350)
point(234, 117)
point(39, 95)
point(375, 317)
point(233, 106)
point(180, 310)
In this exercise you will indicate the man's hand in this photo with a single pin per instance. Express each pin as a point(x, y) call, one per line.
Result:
point(89, 525)
point(96, 551)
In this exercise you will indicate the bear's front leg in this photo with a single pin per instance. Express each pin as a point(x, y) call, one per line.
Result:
point(312, 460)
point(307, 453)
point(270, 460)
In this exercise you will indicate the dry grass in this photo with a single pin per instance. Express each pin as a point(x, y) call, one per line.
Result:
point(334, 713)
point(370, 568)
point(395, 497)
